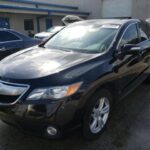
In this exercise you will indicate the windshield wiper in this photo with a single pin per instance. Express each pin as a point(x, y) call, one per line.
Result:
point(42, 46)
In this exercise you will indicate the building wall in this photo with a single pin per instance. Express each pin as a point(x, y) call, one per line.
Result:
point(116, 8)
point(55, 19)
point(16, 17)
point(92, 6)
point(141, 9)
point(125, 8)
point(17, 21)
point(97, 8)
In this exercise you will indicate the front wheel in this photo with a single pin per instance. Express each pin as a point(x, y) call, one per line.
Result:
point(97, 114)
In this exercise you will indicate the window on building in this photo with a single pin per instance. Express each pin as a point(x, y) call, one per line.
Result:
point(49, 23)
point(4, 23)
point(28, 24)
point(7, 36)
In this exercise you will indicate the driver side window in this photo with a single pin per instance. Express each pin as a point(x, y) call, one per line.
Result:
point(130, 36)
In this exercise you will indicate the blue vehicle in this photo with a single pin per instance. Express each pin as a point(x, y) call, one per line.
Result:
point(12, 41)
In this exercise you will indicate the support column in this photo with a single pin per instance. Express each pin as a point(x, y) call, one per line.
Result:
point(38, 24)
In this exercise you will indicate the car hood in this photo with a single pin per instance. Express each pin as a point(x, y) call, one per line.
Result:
point(39, 62)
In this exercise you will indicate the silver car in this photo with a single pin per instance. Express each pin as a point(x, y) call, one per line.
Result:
point(48, 33)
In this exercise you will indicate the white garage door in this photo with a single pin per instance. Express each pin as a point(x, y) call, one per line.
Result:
point(116, 8)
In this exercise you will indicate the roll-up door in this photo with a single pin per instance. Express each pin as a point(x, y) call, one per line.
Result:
point(116, 8)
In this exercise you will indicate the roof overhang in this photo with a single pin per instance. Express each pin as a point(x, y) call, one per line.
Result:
point(32, 7)
point(41, 4)
point(8, 8)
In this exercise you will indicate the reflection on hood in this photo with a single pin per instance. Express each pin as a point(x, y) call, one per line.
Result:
point(39, 62)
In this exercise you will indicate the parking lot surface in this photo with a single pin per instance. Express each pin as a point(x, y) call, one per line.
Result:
point(128, 129)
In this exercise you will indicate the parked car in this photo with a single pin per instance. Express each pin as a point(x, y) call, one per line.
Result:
point(48, 33)
point(73, 79)
point(12, 41)
point(53, 30)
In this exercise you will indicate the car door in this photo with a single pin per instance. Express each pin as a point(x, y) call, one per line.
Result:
point(9, 43)
point(129, 67)
point(143, 29)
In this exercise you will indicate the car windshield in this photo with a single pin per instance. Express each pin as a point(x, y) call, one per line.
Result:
point(54, 29)
point(84, 38)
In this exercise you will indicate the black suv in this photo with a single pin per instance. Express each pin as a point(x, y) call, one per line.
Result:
point(74, 77)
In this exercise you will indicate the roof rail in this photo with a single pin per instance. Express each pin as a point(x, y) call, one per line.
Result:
point(4, 29)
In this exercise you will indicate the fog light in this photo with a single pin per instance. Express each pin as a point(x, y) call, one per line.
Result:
point(51, 131)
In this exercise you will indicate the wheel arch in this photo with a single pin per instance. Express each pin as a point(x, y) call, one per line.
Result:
point(110, 87)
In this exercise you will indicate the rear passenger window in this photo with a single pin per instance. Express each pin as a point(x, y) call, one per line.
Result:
point(7, 36)
point(143, 32)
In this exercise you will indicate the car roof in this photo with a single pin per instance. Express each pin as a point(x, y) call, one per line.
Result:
point(106, 21)
point(16, 33)
point(5, 29)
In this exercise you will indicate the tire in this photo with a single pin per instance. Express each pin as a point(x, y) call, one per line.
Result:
point(91, 115)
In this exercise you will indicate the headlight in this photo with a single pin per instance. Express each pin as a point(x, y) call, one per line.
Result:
point(54, 92)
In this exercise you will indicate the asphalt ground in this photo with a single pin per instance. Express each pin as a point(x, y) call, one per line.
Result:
point(128, 129)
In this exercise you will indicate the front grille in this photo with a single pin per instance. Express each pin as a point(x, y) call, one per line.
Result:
point(10, 93)
point(8, 99)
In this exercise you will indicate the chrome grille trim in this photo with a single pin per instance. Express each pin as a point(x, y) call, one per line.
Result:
point(10, 84)
point(11, 90)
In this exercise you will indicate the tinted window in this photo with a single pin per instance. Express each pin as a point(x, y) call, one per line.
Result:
point(143, 31)
point(84, 38)
point(143, 36)
point(7, 36)
point(130, 36)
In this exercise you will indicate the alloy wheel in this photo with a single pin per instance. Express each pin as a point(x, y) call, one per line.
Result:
point(99, 115)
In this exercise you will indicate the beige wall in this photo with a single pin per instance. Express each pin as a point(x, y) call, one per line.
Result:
point(55, 19)
point(17, 21)
point(16, 17)
point(93, 6)
point(42, 24)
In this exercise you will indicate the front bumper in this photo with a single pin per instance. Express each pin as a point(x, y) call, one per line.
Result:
point(37, 118)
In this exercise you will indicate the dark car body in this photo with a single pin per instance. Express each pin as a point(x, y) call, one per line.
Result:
point(41, 67)
point(12, 41)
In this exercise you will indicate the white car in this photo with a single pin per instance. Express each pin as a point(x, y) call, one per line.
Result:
point(51, 31)
point(48, 33)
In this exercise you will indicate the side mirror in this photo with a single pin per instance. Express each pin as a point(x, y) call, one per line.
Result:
point(131, 49)
point(128, 49)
